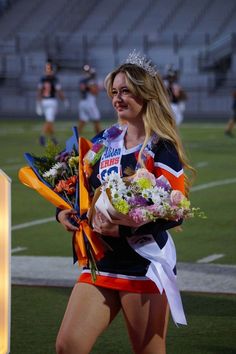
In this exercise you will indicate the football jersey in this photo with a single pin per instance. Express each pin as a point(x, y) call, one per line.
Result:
point(48, 86)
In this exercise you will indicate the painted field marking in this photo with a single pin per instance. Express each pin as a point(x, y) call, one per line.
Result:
point(18, 249)
point(210, 258)
point(32, 223)
point(213, 184)
point(194, 189)
point(201, 164)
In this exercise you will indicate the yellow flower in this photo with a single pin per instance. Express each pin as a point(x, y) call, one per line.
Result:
point(73, 161)
point(185, 203)
point(144, 183)
point(122, 206)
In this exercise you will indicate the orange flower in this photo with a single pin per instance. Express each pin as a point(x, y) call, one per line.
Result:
point(72, 179)
point(67, 186)
point(60, 186)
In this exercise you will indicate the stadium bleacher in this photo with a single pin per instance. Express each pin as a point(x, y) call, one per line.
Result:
point(196, 37)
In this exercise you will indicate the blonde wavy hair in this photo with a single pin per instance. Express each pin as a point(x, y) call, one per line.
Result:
point(157, 113)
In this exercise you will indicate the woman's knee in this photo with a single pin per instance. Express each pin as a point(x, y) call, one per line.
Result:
point(149, 348)
point(69, 344)
point(62, 346)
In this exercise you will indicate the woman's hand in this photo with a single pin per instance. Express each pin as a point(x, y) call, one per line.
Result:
point(103, 226)
point(64, 217)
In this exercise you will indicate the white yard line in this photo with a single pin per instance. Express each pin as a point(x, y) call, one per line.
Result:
point(194, 189)
point(213, 184)
point(18, 249)
point(210, 258)
point(201, 164)
point(32, 223)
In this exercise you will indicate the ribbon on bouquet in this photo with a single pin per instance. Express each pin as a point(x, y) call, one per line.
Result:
point(160, 271)
point(84, 198)
point(79, 241)
point(28, 177)
point(85, 232)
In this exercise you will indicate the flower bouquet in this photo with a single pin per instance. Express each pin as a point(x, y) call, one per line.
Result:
point(59, 177)
point(59, 171)
point(142, 198)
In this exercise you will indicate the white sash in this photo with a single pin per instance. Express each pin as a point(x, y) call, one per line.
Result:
point(160, 270)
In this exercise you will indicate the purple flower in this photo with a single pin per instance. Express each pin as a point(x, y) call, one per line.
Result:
point(163, 182)
point(137, 201)
point(137, 215)
point(63, 156)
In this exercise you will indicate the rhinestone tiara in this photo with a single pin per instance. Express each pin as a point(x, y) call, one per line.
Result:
point(140, 60)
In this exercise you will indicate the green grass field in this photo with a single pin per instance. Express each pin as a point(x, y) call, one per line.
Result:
point(36, 312)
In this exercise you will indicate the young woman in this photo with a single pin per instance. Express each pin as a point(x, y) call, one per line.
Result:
point(149, 138)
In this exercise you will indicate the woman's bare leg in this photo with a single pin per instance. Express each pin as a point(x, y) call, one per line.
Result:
point(97, 127)
point(147, 318)
point(81, 126)
point(230, 126)
point(89, 311)
point(48, 128)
